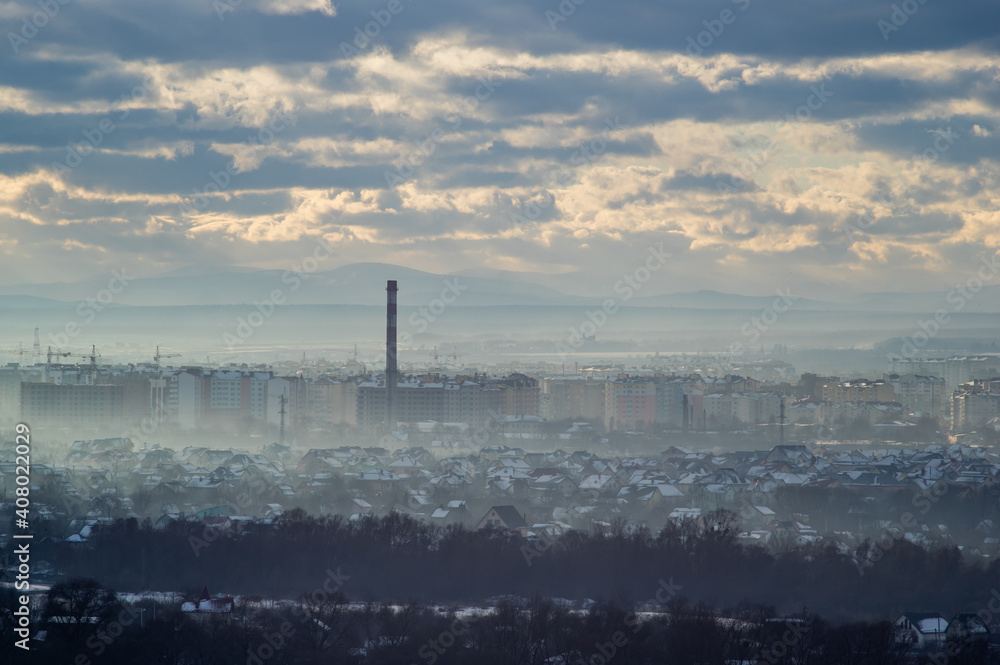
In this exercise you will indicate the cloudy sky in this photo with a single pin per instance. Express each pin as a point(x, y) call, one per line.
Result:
point(838, 147)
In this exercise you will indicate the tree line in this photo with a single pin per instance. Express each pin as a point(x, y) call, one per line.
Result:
point(88, 624)
point(396, 558)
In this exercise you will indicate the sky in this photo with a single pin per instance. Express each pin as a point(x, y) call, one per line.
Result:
point(836, 147)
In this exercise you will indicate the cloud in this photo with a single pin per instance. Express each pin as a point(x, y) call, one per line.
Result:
point(750, 157)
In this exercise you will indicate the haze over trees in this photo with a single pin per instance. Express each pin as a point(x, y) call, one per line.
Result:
point(396, 558)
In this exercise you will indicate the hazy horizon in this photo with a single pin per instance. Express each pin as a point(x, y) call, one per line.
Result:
point(698, 302)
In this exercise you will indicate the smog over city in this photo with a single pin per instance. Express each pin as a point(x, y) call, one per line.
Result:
point(569, 332)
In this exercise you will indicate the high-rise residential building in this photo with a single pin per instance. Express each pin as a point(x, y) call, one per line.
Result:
point(521, 395)
point(859, 390)
point(956, 371)
point(630, 403)
point(69, 405)
point(924, 394)
point(670, 400)
point(331, 403)
point(573, 397)
point(972, 406)
point(474, 401)
point(193, 397)
point(11, 377)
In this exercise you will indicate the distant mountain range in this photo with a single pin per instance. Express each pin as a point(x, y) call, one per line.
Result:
point(364, 284)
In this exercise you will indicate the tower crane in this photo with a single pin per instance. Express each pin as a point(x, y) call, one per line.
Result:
point(19, 351)
point(160, 356)
point(453, 356)
point(92, 357)
point(57, 353)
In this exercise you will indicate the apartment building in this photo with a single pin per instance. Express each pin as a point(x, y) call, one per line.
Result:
point(630, 403)
point(69, 405)
point(573, 397)
point(973, 405)
point(859, 390)
point(920, 393)
point(331, 402)
point(474, 401)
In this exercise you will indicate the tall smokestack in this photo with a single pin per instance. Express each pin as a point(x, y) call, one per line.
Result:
point(391, 373)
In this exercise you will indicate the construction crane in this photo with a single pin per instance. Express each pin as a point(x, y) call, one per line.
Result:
point(92, 357)
point(455, 358)
point(159, 356)
point(57, 353)
point(19, 351)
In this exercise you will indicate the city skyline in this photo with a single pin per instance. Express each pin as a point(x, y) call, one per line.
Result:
point(532, 333)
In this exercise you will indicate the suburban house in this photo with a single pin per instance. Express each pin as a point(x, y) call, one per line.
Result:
point(208, 605)
point(966, 627)
point(925, 630)
point(504, 517)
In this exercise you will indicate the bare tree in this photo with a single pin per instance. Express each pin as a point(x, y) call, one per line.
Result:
point(78, 606)
point(327, 625)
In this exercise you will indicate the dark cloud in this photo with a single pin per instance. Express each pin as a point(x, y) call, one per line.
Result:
point(555, 83)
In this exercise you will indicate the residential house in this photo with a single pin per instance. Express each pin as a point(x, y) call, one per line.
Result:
point(206, 605)
point(504, 517)
point(925, 630)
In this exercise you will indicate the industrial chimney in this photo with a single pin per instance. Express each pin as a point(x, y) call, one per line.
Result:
point(391, 373)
